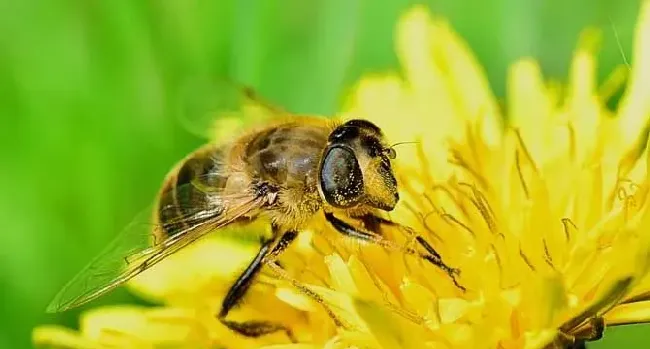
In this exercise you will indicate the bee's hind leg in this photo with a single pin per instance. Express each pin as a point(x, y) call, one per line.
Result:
point(269, 249)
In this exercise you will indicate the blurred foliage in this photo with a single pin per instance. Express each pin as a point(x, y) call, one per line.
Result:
point(88, 90)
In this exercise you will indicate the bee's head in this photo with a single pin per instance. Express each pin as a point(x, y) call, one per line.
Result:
point(355, 168)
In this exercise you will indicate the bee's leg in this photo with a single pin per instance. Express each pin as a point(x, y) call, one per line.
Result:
point(269, 249)
point(431, 256)
point(373, 223)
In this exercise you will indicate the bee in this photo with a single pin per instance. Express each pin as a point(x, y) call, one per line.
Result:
point(287, 170)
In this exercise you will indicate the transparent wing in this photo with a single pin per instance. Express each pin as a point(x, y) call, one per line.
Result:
point(135, 249)
point(217, 108)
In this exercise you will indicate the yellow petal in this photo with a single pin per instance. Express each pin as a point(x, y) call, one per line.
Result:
point(131, 326)
point(529, 108)
point(342, 306)
point(465, 77)
point(415, 40)
point(340, 274)
point(584, 106)
point(445, 74)
point(631, 313)
point(209, 265)
point(60, 337)
point(290, 346)
point(391, 330)
point(95, 321)
point(634, 108)
point(423, 302)
point(452, 309)
point(352, 340)
point(295, 299)
point(538, 340)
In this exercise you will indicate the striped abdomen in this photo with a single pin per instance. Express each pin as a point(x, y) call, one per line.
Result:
point(186, 195)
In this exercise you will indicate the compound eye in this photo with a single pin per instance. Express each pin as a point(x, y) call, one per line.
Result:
point(341, 179)
point(390, 153)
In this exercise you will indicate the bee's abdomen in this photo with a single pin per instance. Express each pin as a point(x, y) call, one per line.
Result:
point(185, 194)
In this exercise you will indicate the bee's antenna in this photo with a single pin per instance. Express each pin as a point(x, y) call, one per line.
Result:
point(400, 143)
point(390, 151)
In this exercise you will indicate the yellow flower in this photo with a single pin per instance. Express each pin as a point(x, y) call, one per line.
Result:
point(542, 213)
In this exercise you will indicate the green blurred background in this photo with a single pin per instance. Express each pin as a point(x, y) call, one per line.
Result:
point(87, 88)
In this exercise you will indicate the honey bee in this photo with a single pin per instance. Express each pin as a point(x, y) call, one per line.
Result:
point(287, 170)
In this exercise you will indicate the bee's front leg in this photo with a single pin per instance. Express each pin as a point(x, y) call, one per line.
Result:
point(373, 223)
point(270, 250)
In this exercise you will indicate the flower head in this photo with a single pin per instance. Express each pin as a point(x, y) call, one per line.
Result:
point(542, 213)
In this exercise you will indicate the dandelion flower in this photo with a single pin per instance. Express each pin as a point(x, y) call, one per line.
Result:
point(541, 213)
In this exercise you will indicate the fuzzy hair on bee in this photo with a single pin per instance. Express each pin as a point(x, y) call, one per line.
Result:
point(288, 170)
